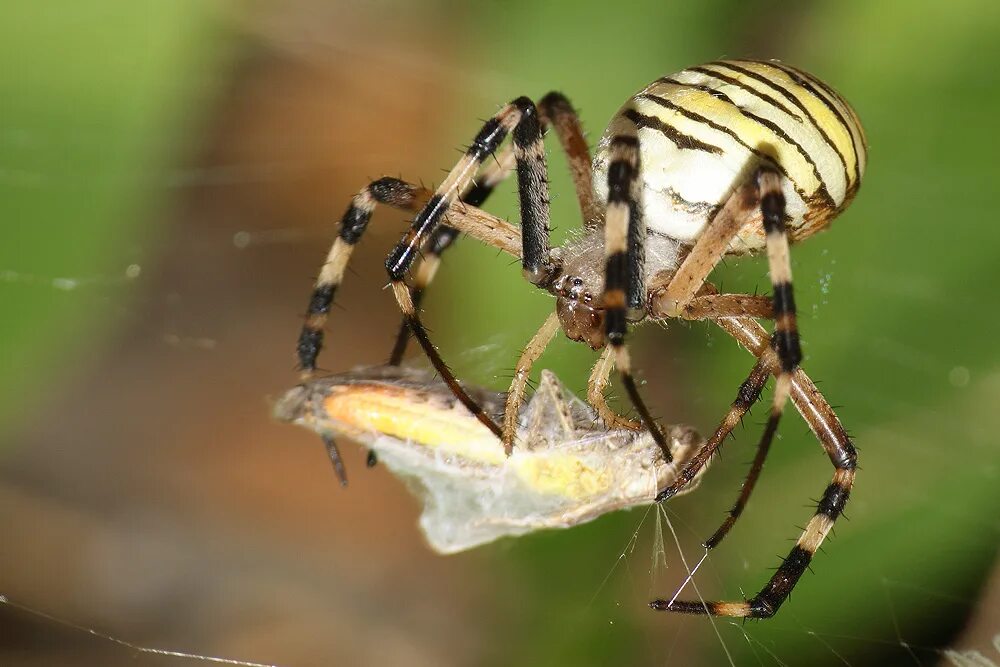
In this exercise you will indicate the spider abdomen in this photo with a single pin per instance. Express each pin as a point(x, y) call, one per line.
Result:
point(703, 131)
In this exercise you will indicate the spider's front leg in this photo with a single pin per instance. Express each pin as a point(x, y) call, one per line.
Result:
point(398, 194)
point(554, 110)
point(624, 290)
point(521, 118)
point(477, 192)
point(401, 195)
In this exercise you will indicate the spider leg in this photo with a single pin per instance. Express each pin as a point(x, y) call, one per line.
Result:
point(520, 117)
point(711, 305)
point(554, 110)
point(806, 397)
point(398, 194)
point(805, 407)
point(714, 306)
point(476, 193)
point(689, 280)
point(786, 333)
point(763, 448)
point(515, 395)
point(680, 296)
point(785, 340)
point(675, 290)
point(598, 381)
point(725, 308)
point(442, 238)
point(746, 396)
point(824, 423)
point(624, 236)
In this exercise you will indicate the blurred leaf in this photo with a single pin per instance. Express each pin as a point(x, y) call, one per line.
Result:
point(95, 98)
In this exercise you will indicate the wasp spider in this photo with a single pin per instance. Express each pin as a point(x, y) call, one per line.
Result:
point(730, 157)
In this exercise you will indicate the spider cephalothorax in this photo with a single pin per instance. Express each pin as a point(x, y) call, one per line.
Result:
point(580, 313)
point(729, 157)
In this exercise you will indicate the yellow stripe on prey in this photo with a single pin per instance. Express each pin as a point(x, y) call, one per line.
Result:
point(449, 429)
point(391, 411)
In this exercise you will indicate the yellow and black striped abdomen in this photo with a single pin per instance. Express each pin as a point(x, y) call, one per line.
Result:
point(703, 131)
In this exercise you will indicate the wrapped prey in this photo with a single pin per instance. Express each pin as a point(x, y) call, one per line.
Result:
point(566, 467)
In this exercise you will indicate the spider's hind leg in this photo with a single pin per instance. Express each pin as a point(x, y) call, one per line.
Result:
point(785, 340)
point(823, 422)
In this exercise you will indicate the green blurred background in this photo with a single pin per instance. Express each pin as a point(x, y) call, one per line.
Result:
point(170, 172)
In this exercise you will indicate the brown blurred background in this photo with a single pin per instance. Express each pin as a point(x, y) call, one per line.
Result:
point(182, 165)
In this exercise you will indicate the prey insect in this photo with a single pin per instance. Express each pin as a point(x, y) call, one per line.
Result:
point(568, 468)
point(728, 158)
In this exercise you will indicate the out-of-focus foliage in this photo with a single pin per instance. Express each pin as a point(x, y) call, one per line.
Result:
point(95, 97)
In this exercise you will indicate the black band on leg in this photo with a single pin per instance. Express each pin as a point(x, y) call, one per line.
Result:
point(533, 192)
point(311, 337)
point(772, 206)
point(406, 251)
point(635, 290)
point(442, 369)
point(786, 334)
point(748, 394)
point(440, 240)
point(353, 225)
point(623, 245)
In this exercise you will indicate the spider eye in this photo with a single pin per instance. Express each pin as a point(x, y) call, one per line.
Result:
point(577, 282)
